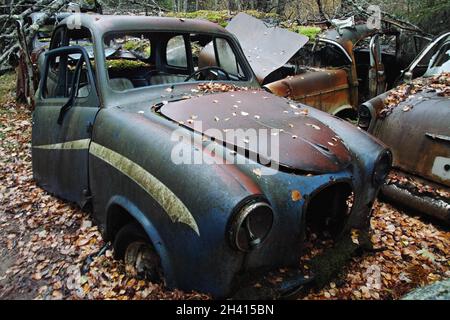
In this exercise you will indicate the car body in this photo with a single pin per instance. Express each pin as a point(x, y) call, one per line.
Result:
point(111, 146)
point(344, 66)
point(413, 119)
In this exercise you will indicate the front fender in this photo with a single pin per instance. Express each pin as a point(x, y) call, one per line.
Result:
point(149, 228)
point(365, 151)
point(201, 260)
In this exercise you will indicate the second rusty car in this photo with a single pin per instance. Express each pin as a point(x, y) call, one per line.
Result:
point(414, 120)
point(342, 67)
point(104, 136)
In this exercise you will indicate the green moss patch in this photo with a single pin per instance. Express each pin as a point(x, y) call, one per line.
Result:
point(221, 17)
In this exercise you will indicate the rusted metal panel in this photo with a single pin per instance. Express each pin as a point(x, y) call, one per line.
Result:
point(419, 194)
point(409, 130)
point(266, 48)
point(306, 144)
point(325, 89)
point(109, 23)
point(348, 37)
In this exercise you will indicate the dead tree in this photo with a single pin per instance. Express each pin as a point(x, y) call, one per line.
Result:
point(9, 39)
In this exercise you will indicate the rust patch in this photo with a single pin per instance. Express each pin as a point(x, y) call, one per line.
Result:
point(325, 89)
point(296, 195)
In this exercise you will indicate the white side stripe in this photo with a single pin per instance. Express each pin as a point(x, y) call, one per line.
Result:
point(171, 204)
point(68, 145)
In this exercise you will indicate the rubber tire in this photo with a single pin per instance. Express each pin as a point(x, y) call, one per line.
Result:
point(127, 234)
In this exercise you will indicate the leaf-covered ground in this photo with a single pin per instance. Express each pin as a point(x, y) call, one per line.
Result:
point(50, 249)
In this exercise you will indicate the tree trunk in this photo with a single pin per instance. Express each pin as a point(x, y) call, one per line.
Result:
point(281, 6)
point(321, 13)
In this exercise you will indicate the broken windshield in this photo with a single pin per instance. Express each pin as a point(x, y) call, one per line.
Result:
point(440, 62)
point(142, 59)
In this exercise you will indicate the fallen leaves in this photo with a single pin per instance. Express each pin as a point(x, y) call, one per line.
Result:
point(211, 87)
point(439, 84)
point(417, 186)
point(49, 249)
point(408, 253)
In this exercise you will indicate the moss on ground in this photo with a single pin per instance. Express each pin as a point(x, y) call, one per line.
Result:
point(139, 46)
point(221, 17)
point(310, 31)
point(121, 64)
point(329, 264)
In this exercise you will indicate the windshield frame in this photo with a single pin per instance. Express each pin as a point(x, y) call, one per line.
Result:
point(246, 69)
point(426, 51)
point(434, 71)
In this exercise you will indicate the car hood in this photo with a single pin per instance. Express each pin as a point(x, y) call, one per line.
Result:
point(266, 48)
point(305, 143)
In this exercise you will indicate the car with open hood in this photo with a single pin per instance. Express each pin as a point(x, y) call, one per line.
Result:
point(346, 64)
point(414, 121)
point(130, 125)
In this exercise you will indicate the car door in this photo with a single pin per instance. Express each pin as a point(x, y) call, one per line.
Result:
point(66, 106)
point(377, 75)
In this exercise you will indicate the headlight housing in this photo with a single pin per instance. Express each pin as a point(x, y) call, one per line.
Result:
point(382, 167)
point(251, 226)
point(364, 117)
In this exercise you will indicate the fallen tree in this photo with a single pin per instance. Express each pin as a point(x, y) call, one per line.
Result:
point(9, 38)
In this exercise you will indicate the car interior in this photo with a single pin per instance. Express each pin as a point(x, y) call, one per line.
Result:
point(159, 58)
point(142, 59)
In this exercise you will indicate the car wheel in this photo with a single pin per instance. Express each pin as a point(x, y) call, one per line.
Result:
point(132, 245)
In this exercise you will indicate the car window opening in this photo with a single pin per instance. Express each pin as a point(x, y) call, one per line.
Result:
point(143, 59)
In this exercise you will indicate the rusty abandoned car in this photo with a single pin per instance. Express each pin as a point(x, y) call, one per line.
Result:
point(414, 121)
point(102, 137)
point(344, 66)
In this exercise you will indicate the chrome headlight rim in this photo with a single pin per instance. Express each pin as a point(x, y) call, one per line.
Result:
point(240, 220)
point(382, 167)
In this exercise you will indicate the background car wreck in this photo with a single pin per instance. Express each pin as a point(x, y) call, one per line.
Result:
point(194, 218)
point(343, 67)
point(413, 119)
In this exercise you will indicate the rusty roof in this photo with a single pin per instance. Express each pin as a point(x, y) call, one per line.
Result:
point(353, 34)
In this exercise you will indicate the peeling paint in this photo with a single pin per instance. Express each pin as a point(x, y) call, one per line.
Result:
point(171, 204)
point(68, 145)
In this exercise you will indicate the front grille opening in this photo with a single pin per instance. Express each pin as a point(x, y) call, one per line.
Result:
point(328, 211)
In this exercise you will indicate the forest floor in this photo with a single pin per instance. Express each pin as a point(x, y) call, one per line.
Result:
point(50, 249)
